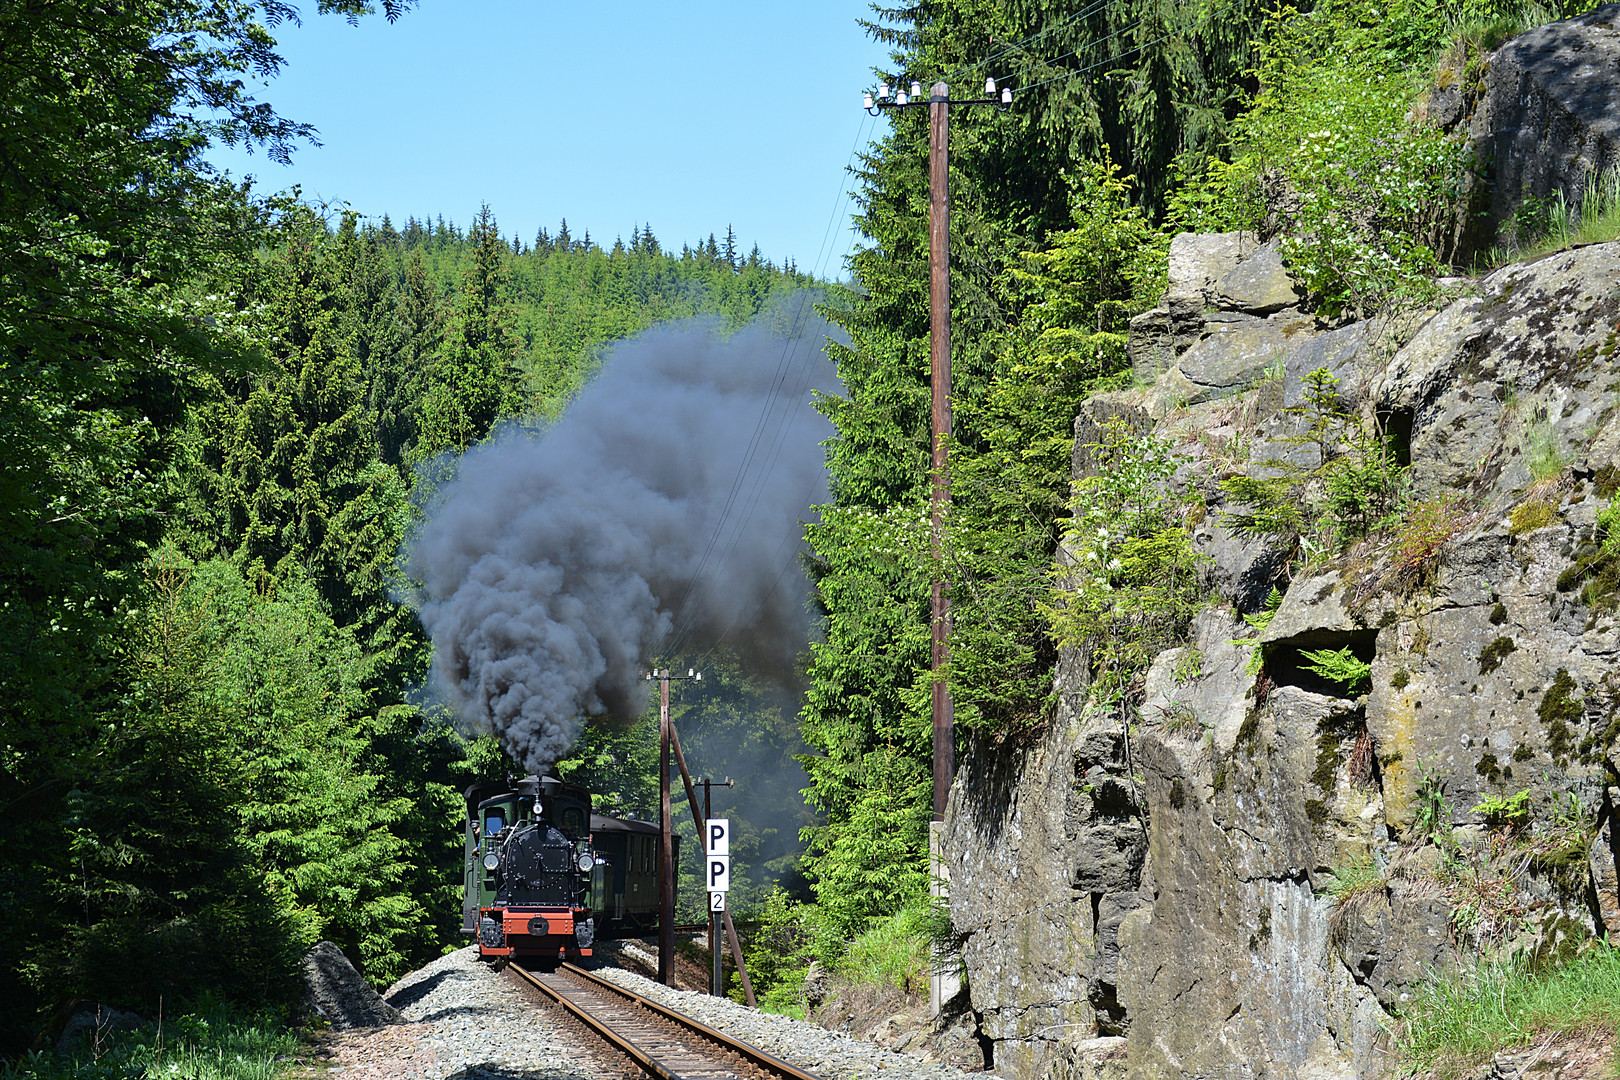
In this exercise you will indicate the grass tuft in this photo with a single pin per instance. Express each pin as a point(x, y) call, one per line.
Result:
point(1352, 887)
point(1455, 1023)
point(896, 951)
point(1542, 226)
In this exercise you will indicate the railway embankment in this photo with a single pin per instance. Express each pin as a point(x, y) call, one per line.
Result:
point(459, 1018)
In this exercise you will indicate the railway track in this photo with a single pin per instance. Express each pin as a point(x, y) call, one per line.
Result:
point(663, 1042)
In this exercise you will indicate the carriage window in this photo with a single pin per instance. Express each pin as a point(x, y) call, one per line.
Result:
point(573, 821)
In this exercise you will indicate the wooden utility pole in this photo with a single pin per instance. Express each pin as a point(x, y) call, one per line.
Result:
point(666, 836)
point(717, 983)
point(939, 367)
point(939, 374)
point(731, 929)
point(666, 843)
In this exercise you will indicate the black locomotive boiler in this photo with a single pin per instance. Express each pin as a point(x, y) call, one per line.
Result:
point(545, 876)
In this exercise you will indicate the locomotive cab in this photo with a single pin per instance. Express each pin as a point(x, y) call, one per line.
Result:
point(529, 869)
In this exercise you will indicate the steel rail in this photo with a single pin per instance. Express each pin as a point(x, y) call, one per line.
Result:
point(625, 1046)
point(737, 1046)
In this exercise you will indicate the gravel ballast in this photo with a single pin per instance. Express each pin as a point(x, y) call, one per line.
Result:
point(464, 1020)
point(812, 1048)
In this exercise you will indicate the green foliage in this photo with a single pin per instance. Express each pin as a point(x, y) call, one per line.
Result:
point(901, 950)
point(1608, 523)
point(1506, 811)
point(1538, 226)
point(1010, 482)
point(1354, 879)
point(1456, 1022)
point(1353, 488)
point(1338, 665)
point(1542, 454)
point(1261, 619)
point(873, 856)
point(1432, 814)
point(779, 945)
point(1130, 587)
point(1328, 156)
point(210, 1040)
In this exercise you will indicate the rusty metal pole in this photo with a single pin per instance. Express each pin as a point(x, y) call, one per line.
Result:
point(939, 363)
point(716, 985)
point(666, 845)
point(731, 930)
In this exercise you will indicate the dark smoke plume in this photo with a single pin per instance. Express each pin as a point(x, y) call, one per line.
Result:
point(558, 563)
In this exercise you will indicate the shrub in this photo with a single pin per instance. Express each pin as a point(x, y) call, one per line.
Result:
point(1506, 811)
point(779, 948)
point(1424, 530)
point(902, 950)
point(1608, 522)
point(1132, 587)
point(1352, 490)
point(1329, 157)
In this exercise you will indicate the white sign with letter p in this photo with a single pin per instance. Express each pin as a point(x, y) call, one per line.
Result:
point(719, 873)
point(717, 836)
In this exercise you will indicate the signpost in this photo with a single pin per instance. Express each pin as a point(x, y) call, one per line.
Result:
point(717, 869)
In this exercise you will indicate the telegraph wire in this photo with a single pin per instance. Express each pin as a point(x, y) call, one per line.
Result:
point(840, 201)
point(1013, 46)
point(685, 621)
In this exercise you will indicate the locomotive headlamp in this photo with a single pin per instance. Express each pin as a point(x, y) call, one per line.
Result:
point(585, 862)
point(491, 861)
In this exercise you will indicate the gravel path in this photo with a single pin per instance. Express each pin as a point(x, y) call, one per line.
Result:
point(467, 1022)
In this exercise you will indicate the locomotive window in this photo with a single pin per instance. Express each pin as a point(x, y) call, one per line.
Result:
point(573, 821)
point(494, 824)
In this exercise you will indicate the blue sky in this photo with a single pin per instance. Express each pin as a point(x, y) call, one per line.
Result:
point(690, 116)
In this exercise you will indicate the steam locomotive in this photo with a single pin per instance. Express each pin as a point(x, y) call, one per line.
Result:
point(545, 876)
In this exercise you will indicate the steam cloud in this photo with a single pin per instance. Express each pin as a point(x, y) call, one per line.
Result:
point(557, 563)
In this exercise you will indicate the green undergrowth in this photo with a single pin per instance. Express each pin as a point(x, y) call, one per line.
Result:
point(1460, 1021)
point(212, 1041)
point(1540, 226)
point(890, 951)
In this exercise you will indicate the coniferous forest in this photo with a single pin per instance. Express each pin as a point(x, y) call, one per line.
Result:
point(221, 411)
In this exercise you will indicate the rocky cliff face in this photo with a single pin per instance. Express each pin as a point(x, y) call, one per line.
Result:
point(1551, 116)
point(1142, 888)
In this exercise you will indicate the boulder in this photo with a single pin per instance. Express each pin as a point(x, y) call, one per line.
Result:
point(1553, 107)
point(1312, 613)
point(1197, 262)
point(1240, 570)
point(817, 983)
point(334, 991)
point(1541, 335)
point(1343, 352)
point(1233, 356)
point(92, 1024)
point(1258, 285)
point(1158, 337)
